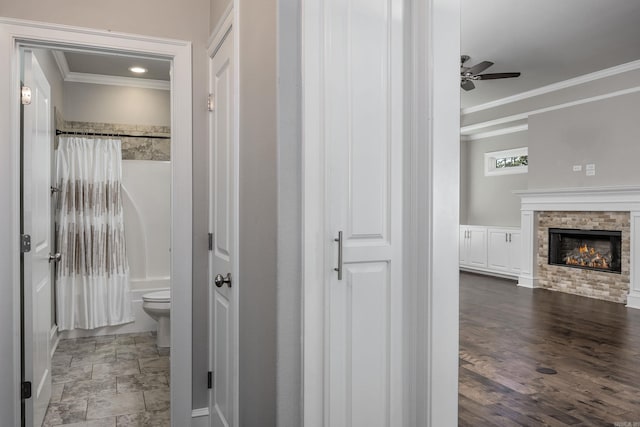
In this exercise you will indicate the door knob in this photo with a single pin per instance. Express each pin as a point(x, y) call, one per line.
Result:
point(220, 280)
point(55, 257)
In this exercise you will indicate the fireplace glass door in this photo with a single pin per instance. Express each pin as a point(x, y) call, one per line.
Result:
point(588, 249)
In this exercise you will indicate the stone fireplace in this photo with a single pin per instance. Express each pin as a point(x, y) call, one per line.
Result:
point(593, 281)
point(598, 231)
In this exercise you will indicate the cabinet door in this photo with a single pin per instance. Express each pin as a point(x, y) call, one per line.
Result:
point(498, 250)
point(477, 247)
point(514, 252)
point(464, 260)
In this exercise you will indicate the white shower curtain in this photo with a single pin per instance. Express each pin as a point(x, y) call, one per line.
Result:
point(93, 275)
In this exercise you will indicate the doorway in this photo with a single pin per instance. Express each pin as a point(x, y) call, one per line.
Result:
point(21, 35)
point(108, 342)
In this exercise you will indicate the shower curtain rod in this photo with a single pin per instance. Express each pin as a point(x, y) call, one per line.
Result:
point(122, 135)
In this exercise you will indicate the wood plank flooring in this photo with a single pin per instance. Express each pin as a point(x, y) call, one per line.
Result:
point(507, 332)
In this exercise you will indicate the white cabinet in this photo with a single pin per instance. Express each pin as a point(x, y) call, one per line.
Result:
point(503, 250)
point(473, 246)
point(490, 249)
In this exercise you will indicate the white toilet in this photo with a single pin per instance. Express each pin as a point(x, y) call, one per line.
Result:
point(158, 306)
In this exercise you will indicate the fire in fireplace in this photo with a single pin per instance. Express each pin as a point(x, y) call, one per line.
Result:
point(588, 249)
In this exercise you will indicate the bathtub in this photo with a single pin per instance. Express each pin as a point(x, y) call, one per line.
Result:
point(142, 323)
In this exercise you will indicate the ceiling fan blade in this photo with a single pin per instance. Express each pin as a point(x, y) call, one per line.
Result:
point(478, 68)
point(467, 85)
point(494, 76)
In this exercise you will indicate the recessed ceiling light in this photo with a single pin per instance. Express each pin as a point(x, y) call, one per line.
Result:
point(138, 70)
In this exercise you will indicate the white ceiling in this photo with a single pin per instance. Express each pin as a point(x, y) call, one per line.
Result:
point(546, 40)
point(116, 65)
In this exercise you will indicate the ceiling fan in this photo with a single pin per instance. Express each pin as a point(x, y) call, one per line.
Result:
point(469, 74)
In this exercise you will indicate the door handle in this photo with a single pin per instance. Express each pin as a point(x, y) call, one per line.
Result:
point(55, 257)
point(339, 268)
point(509, 237)
point(220, 280)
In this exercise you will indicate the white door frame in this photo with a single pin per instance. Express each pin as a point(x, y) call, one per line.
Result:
point(13, 33)
point(431, 209)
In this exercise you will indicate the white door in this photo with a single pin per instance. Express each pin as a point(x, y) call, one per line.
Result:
point(364, 140)
point(37, 148)
point(223, 164)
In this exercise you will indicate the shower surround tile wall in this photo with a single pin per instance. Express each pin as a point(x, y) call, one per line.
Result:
point(136, 148)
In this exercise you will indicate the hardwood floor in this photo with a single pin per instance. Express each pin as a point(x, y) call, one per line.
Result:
point(507, 332)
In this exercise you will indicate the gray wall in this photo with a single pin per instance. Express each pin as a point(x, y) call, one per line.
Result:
point(603, 132)
point(258, 220)
point(489, 199)
point(85, 102)
point(289, 355)
point(464, 182)
point(184, 20)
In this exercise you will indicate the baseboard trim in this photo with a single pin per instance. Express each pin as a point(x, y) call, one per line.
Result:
point(200, 417)
point(528, 282)
point(489, 273)
point(633, 300)
point(200, 412)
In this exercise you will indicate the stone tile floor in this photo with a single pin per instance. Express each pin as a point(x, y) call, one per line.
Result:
point(110, 381)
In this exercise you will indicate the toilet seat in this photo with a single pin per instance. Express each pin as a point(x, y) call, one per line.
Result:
point(158, 296)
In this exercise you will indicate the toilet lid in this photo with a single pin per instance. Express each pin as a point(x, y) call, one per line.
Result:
point(159, 296)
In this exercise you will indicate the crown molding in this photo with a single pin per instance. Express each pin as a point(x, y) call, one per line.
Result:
point(61, 61)
point(466, 130)
point(497, 132)
point(100, 79)
point(607, 72)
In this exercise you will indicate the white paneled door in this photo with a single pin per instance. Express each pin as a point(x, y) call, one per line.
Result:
point(222, 223)
point(37, 148)
point(363, 134)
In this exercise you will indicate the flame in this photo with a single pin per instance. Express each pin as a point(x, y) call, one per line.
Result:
point(588, 257)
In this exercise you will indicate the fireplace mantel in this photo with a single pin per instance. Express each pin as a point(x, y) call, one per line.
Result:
point(618, 198)
point(586, 199)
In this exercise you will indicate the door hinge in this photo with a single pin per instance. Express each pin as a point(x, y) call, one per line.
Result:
point(209, 380)
point(25, 92)
point(25, 243)
point(210, 102)
point(210, 241)
point(25, 391)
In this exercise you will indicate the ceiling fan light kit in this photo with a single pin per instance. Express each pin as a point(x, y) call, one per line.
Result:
point(469, 74)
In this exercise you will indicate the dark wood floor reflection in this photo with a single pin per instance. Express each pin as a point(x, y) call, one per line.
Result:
point(506, 333)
